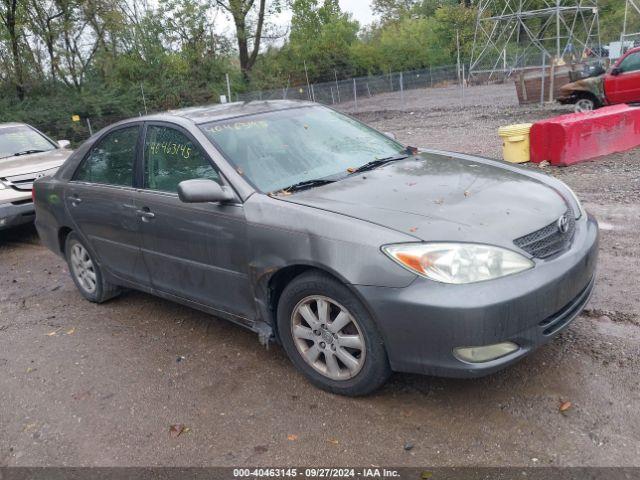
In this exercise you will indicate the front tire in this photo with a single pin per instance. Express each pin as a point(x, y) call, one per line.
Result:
point(585, 103)
point(86, 272)
point(330, 337)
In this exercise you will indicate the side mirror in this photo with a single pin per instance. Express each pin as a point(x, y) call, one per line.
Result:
point(64, 143)
point(200, 190)
point(615, 71)
point(392, 136)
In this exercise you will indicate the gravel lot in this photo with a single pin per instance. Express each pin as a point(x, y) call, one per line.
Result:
point(88, 385)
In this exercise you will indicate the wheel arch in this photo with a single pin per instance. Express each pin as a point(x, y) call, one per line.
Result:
point(585, 94)
point(280, 278)
point(63, 233)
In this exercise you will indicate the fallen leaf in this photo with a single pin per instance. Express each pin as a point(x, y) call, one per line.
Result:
point(71, 331)
point(467, 193)
point(81, 395)
point(52, 334)
point(351, 169)
point(28, 426)
point(334, 441)
point(29, 370)
point(176, 430)
point(292, 438)
point(413, 229)
point(426, 475)
point(564, 406)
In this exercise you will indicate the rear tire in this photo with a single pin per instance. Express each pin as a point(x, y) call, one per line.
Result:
point(330, 337)
point(86, 273)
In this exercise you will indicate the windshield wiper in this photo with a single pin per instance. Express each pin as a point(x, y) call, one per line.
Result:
point(28, 152)
point(379, 162)
point(296, 187)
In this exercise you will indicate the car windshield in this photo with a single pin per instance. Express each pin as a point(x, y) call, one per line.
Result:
point(22, 140)
point(279, 149)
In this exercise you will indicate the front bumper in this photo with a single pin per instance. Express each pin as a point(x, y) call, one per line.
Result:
point(423, 323)
point(12, 215)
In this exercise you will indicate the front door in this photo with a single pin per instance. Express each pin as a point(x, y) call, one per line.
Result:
point(624, 87)
point(100, 201)
point(194, 251)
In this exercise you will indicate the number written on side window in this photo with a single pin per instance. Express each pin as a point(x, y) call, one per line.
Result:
point(170, 158)
point(111, 161)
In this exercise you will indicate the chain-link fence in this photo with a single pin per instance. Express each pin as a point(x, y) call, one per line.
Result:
point(351, 93)
point(355, 89)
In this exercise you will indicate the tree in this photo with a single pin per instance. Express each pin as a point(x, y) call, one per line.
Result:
point(321, 37)
point(11, 16)
point(43, 16)
point(248, 35)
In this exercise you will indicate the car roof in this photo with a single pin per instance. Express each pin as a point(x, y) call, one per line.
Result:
point(212, 113)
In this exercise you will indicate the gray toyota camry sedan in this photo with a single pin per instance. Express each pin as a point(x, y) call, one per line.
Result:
point(359, 255)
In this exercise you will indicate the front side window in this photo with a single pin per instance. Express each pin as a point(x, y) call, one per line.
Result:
point(279, 149)
point(111, 161)
point(631, 63)
point(170, 158)
point(22, 140)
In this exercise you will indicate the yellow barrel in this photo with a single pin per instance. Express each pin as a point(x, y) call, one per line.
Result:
point(515, 142)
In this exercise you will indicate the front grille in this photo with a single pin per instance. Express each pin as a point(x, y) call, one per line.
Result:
point(24, 182)
point(558, 320)
point(549, 240)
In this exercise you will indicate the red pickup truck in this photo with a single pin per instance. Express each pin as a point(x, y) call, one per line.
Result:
point(621, 84)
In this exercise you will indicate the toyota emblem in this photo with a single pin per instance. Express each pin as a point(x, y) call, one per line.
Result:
point(563, 224)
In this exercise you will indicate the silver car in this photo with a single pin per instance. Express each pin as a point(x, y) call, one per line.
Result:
point(25, 155)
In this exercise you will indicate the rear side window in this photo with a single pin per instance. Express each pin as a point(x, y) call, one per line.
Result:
point(170, 158)
point(111, 161)
point(631, 63)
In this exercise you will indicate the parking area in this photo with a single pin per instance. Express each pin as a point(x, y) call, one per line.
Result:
point(88, 385)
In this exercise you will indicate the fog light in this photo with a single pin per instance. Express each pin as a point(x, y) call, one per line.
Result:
point(485, 353)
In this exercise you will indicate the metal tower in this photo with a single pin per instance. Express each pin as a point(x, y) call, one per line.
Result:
point(631, 26)
point(512, 34)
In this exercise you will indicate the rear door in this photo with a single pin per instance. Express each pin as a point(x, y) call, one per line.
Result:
point(193, 251)
point(100, 201)
point(624, 87)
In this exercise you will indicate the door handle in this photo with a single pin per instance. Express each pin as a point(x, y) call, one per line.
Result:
point(145, 214)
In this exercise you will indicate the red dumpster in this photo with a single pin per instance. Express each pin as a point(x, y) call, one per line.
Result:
point(573, 138)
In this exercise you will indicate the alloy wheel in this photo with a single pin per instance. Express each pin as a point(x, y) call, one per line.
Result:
point(328, 337)
point(83, 268)
point(583, 105)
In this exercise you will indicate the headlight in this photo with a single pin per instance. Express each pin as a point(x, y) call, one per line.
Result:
point(580, 211)
point(457, 262)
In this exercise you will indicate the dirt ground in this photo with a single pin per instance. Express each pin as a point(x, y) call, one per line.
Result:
point(100, 385)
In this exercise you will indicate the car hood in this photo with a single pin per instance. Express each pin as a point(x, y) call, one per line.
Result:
point(36, 162)
point(444, 197)
point(593, 85)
